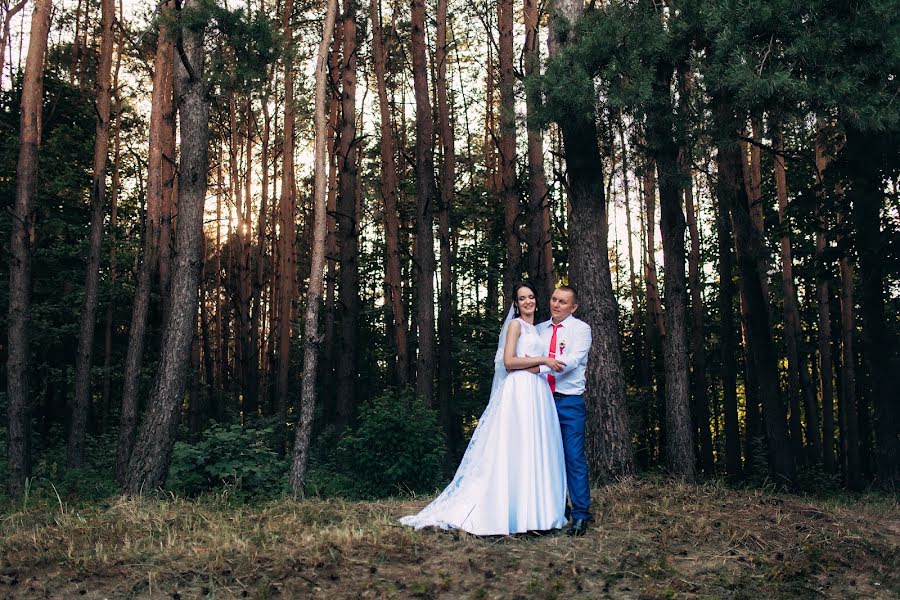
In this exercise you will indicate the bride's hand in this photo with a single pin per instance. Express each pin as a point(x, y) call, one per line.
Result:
point(555, 365)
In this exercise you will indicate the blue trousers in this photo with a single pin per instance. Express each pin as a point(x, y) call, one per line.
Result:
point(570, 410)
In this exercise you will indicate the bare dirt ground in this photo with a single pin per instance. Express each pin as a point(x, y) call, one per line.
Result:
point(651, 539)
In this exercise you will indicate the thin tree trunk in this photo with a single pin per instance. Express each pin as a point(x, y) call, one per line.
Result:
point(162, 74)
point(113, 224)
point(312, 337)
point(632, 275)
point(607, 441)
point(540, 247)
point(331, 244)
point(823, 296)
point(798, 377)
point(426, 191)
point(448, 180)
point(347, 226)
point(153, 447)
point(259, 259)
point(84, 353)
point(507, 147)
point(389, 195)
point(4, 36)
point(728, 343)
point(287, 257)
point(18, 410)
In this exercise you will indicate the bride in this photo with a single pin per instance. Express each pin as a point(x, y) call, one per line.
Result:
point(512, 478)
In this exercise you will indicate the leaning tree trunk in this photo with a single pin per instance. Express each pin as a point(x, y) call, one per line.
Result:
point(426, 192)
point(751, 253)
point(312, 337)
point(347, 226)
point(18, 412)
point(81, 401)
point(608, 440)
point(153, 448)
point(162, 75)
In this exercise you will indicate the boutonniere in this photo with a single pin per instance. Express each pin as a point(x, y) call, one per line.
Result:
point(562, 347)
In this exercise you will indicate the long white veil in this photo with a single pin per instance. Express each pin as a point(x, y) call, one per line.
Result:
point(472, 467)
point(500, 368)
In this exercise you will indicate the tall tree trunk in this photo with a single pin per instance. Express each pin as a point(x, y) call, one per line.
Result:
point(347, 226)
point(728, 343)
point(679, 437)
point(153, 447)
point(540, 246)
point(751, 255)
point(287, 260)
point(426, 192)
point(867, 194)
point(18, 412)
point(448, 181)
point(510, 192)
point(113, 224)
point(162, 75)
point(798, 376)
point(82, 398)
point(850, 433)
point(632, 274)
point(608, 441)
point(389, 196)
point(312, 336)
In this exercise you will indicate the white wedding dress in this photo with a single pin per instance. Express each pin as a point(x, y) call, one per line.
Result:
point(512, 478)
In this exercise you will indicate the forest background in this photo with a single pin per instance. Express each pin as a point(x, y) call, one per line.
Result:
point(718, 179)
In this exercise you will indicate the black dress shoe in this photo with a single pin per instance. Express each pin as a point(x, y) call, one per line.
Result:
point(578, 527)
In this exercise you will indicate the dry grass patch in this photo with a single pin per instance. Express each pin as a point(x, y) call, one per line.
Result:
point(650, 540)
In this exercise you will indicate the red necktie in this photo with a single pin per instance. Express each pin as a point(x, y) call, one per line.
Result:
point(550, 378)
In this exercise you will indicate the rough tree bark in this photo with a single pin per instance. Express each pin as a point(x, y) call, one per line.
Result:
point(18, 413)
point(153, 447)
point(312, 336)
point(162, 76)
point(84, 353)
point(426, 192)
point(608, 441)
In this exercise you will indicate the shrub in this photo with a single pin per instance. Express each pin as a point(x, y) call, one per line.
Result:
point(396, 446)
point(241, 460)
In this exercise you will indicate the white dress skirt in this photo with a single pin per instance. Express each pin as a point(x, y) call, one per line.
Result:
point(512, 478)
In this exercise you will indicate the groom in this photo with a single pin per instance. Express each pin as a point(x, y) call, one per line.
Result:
point(568, 339)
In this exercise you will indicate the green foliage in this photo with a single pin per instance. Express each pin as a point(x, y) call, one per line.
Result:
point(396, 446)
point(242, 460)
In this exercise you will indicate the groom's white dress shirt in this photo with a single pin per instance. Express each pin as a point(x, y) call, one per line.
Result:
point(573, 342)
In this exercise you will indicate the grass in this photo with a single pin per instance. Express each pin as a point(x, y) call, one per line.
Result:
point(651, 539)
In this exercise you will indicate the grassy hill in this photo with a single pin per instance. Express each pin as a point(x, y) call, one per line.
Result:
point(651, 539)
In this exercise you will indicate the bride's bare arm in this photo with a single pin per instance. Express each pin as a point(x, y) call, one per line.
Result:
point(518, 363)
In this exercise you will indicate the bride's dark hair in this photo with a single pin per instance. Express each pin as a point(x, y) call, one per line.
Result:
point(515, 294)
